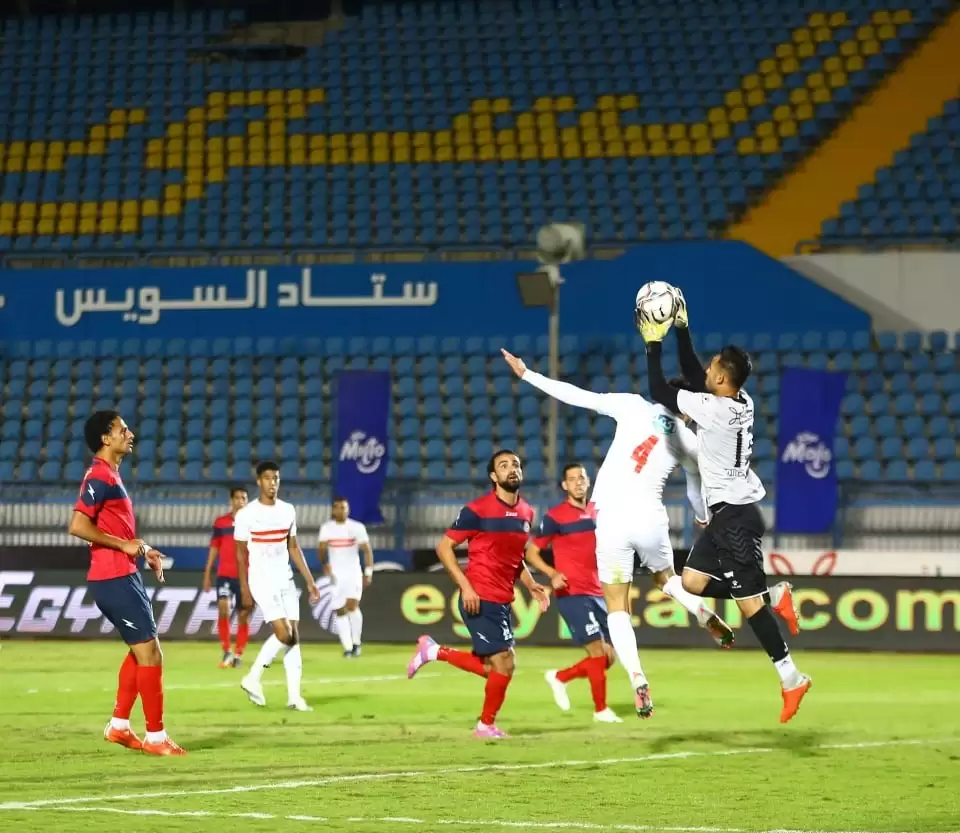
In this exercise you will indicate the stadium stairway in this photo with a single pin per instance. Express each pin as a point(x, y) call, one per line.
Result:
point(876, 129)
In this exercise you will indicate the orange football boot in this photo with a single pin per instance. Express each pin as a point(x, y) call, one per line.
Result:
point(792, 698)
point(165, 747)
point(125, 737)
point(785, 609)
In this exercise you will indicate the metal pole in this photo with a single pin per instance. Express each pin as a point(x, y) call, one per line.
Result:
point(553, 364)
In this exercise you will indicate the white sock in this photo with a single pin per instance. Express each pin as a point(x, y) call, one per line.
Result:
point(344, 631)
point(625, 644)
point(268, 653)
point(356, 625)
point(293, 665)
point(157, 737)
point(674, 589)
point(789, 675)
point(119, 723)
point(432, 652)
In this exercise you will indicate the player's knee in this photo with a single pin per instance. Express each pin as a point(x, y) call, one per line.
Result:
point(595, 649)
point(610, 654)
point(693, 582)
point(148, 653)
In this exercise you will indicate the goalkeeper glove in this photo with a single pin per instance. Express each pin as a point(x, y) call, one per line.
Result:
point(680, 318)
point(652, 331)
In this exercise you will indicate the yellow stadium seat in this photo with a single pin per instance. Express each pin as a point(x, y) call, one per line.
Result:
point(766, 128)
point(194, 176)
point(614, 150)
point(529, 151)
point(486, 153)
point(215, 175)
point(633, 133)
point(194, 191)
point(421, 139)
point(483, 137)
point(174, 146)
point(804, 111)
point(129, 225)
point(767, 65)
point(236, 98)
point(751, 81)
point(155, 146)
point(659, 148)
point(110, 208)
point(339, 156)
point(606, 102)
point(703, 147)
point(196, 114)
point(443, 138)
point(196, 145)
point(256, 158)
point(173, 192)
point(88, 225)
point(565, 104)
point(774, 81)
point(316, 96)
point(89, 209)
point(815, 80)
point(573, 150)
point(116, 132)
point(27, 211)
point(747, 145)
point(194, 161)
point(150, 208)
point(628, 102)
point(738, 114)
point(14, 164)
point(463, 138)
point(175, 130)
point(676, 132)
point(854, 63)
point(902, 16)
point(548, 136)
point(817, 19)
point(465, 153)
point(838, 19)
point(298, 156)
point(507, 136)
point(720, 131)
point(654, 132)
point(54, 163)
point(234, 143)
point(402, 154)
point(255, 128)
point(425, 154)
point(98, 131)
point(338, 141)
point(275, 97)
point(171, 207)
point(788, 65)
point(66, 225)
point(48, 211)
point(550, 151)
point(869, 47)
point(822, 35)
point(217, 99)
point(587, 134)
point(96, 148)
point(236, 159)
point(849, 47)
point(36, 149)
point(197, 130)
point(525, 121)
point(544, 104)
point(482, 121)
point(785, 50)
point(501, 105)
point(782, 112)
point(880, 17)
point(572, 134)
point(216, 114)
point(866, 33)
point(787, 128)
point(360, 155)
point(294, 96)
point(837, 79)
point(277, 112)
point(770, 144)
point(136, 116)
point(318, 155)
point(546, 120)
point(108, 225)
point(886, 32)
point(277, 143)
point(130, 208)
point(18, 149)
point(173, 161)
point(67, 209)
point(401, 139)
point(480, 105)
point(593, 150)
point(296, 111)
point(35, 164)
point(318, 141)
point(381, 139)
point(461, 121)
point(77, 148)
point(381, 155)
point(588, 119)
point(682, 147)
point(833, 64)
point(806, 50)
point(716, 114)
point(734, 98)
point(699, 131)
point(6, 227)
point(609, 118)
point(799, 95)
point(25, 226)
point(757, 97)
point(612, 133)
point(821, 95)
point(801, 35)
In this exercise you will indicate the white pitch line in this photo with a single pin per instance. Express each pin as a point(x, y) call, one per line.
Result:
point(459, 770)
point(404, 820)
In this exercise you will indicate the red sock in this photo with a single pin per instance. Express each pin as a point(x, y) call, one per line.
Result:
point(597, 674)
point(463, 661)
point(494, 694)
point(243, 636)
point(574, 671)
point(126, 688)
point(223, 629)
point(150, 684)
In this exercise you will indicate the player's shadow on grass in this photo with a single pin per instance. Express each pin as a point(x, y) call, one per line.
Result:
point(799, 742)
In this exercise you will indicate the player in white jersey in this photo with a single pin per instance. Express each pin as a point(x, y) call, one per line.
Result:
point(341, 539)
point(631, 517)
point(727, 560)
point(265, 532)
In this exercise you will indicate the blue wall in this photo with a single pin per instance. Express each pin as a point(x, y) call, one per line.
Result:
point(729, 286)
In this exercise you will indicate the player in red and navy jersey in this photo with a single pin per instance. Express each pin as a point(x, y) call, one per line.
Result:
point(570, 531)
point(497, 527)
point(103, 516)
point(223, 551)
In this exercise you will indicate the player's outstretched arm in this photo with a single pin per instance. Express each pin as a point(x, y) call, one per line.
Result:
point(246, 598)
point(300, 562)
point(533, 557)
point(208, 570)
point(603, 403)
point(687, 455)
point(85, 529)
point(367, 551)
point(448, 557)
point(537, 590)
point(690, 364)
point(660, 391)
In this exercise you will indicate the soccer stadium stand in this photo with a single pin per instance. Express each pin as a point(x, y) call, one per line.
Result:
point(205, 411)
point(918, 197)
point(430, 124)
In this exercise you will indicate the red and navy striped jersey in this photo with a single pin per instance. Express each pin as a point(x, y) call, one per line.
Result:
point(498, 534)
point(104, 499)
point(571, 533)
point(222, 541)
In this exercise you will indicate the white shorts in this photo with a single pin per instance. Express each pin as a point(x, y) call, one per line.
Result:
point(276, 601)
point(347, 583)
point(617, 544)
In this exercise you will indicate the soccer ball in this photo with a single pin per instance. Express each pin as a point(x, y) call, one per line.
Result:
point(656, 301)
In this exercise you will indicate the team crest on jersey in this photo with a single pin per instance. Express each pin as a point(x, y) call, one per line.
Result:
point(526, 526)
point(665, 424)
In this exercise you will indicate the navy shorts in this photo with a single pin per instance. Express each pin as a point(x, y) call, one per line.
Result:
point(586, 617)
point(491, 630)
point(125, 604)
point(229, 588)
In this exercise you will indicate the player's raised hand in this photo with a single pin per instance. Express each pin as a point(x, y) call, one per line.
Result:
point(154, 559)
point(653, 331)
point(558, 581)
point(680, 317)
point(516, 365)
point(135, 547)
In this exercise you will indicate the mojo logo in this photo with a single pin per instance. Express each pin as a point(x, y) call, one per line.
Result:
point(366, 451)
point(808, 449)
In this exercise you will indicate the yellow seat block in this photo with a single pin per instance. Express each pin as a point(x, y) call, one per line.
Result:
point(137, 116)
point(757, 97)
point(196, 145)
point(216, 114)
point(816, 80)
point(215, 175)
point(788, 65)
point(654, 132)
point(275, 96)
point(197, 114)
point(628, 102)
point(529, 152)
point(296, 111)
point(866, 32)
point(236, 159)
point(882, 16)
point(194, 191)
point(486, 153)
point(381, 155)
point(443, 138)
point(699, 131)
point(682, 147)
point(588, 119)
point(255, 97)
point(572, 134)
point(837, 79)
point(482, 121)
point(277, 112)
point(67, 209)
point(88, 225)
point(501, 105)
point(869, 48)
point(6, 226)
point(564, 104)
point(297, 156)
point(194, 161)
point(837, 19)
point(96, 148)
point(236, 98)
point(902, 16)
point(463, 138)
point(316, 96)
point(483, 137)
point(465, 153)
point(174, 146)
point(197, 130)
point(525, 121)
point(506, 136)
point(587, 134)
point(49, 211)
point(421, 139)
point(424, 153)
point(886, 32)
point(546, 120)
point(774, 81)
point(235, 143)
point(607, 102)
point(318, 155)
point(612, 133)
point(787, 128)
point(462, 121)
point(318, 141)
point(659, 148)
point(833, 64)
point(853, 64)
point(216, 99)
point(295, 97)
point(37, 149)
point(614, 150)
point(571, 151)
point(550, 151)
point(150, 208)
point(35, 164)
point(734, 98)
point(108, 225)
point(129, 225)
point(716, 114)
point(98, 131)
point(782, 112)
point(130, 208)
point(110, 208)
point(480, 105)
point(593, 150)
point(548, 136)
point(609, 118)
point(804, 111)
point(54, 163)
point(173, 192)
point(194, 176)
point(703, 147)
point(747, 145)
point(799, 95)
point(171, 207)
point(277, 143)
point(338, 141)
point(27, 211)
point(401, 139)
point(801, 35)
point(255, 128)
point(769, 144)
point(360, 155)
point(25, 226)
point(785, 50)
point(633, 133)
point(720, 131)
point(544, 104)
point(77, 148)
point(17, 149)
point(66, 225)
point(339, 156)
point(175, 130)
point(806, 50)
point(14, 164)
point(381, 139)
point(738, 114)
point(823, 35)
point(401, 155)
point(767, 65)
point(256, 158)
point(675, 132)
point(817, 19)
point(155, 146)
point(821, 96)
point(766, 128)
